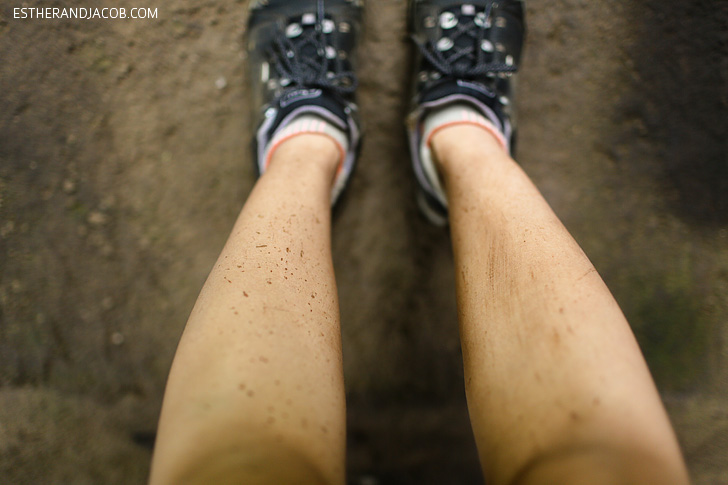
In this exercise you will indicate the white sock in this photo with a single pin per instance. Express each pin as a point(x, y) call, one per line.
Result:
point(305, 124)
point(457, 113)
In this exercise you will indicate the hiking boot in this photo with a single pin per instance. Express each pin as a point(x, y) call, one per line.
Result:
point(301, 55)
point(467, 54)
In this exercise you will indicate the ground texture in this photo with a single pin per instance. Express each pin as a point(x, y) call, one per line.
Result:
point(124, 159)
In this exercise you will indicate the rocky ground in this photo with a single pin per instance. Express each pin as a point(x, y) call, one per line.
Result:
point(124, 159)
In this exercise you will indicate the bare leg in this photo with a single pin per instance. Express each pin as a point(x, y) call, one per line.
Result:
point(255, 394)
point(557, 387)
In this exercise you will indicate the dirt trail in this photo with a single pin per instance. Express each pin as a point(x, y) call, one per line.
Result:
point(124, 159)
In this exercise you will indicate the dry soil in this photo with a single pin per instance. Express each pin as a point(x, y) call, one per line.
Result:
point(124, 159)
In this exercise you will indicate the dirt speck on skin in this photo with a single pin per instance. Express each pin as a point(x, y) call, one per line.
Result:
point(124, 162)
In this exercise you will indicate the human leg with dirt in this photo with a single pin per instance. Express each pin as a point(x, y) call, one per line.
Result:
point(557, 388)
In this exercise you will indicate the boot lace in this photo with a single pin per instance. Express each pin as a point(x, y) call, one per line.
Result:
point(309, 58)
point(466, 58)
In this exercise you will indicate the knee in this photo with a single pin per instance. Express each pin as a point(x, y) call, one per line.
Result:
point(599, 465)
point(252, 464)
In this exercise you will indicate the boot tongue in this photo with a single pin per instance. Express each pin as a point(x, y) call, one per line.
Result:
point(452, 86)
point(298, 97)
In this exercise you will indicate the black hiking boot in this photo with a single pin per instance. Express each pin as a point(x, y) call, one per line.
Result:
point(468, 52)
point(301, 55)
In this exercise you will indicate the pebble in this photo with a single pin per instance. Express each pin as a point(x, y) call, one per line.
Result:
point(97, 218)
point(69, 186)
point(107, 303)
